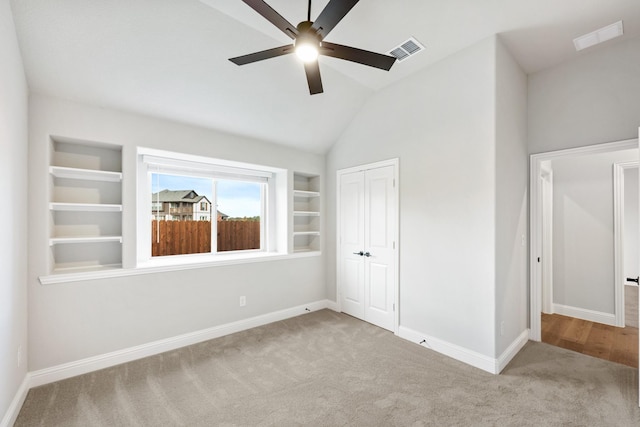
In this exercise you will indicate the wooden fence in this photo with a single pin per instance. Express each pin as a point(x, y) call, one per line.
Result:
point(193, 237)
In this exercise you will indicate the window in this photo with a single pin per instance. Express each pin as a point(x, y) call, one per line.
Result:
point(178, 191)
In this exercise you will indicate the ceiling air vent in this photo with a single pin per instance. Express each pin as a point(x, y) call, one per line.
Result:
point(598, 36)
point(407, 49)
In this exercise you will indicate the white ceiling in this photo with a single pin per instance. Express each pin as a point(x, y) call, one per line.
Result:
point(168, 58)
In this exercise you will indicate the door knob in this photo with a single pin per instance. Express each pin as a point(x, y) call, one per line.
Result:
point(359, 253)
point(367, 254)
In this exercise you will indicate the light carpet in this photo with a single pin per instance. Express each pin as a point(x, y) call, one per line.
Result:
point(328, 369)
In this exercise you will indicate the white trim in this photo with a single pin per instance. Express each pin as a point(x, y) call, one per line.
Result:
point(585, 314)
point(535, 225)
point(618, 237)
point(454, 351)
point(333, 305)
point(511, 351)
point(90, 364)
point(16, 404)
point(395, 162)
point(184, 265)
point(546, 248)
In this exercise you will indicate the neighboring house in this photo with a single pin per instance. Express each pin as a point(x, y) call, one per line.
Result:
point(180, 205)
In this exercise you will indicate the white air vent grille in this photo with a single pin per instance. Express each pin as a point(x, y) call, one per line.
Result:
point(598, 36)
point(407, 49)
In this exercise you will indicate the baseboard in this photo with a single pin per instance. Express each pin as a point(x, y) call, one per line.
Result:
point(454, 351)
point(90, 364)
point(585, 314)
point(511, 351)
point(332, 305)
point(16, 404)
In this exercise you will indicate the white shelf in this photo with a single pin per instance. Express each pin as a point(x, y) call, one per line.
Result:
point(85, 207)
point(305, 249)
point(306, 233)
point(85, 269)
point(92, 239)
point(302, 193)
point(85, 174)
point(306, 213)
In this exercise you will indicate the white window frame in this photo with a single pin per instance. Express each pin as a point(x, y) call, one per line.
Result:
point(273, 237)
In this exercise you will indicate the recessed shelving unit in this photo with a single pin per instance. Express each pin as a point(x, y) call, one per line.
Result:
point(85, 206)
point(306, 212)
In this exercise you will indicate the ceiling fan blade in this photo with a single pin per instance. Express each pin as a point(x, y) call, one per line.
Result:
point(331, 15)
point(262, 55)
point(312, 69)
point(364, 57)
point(272, 16)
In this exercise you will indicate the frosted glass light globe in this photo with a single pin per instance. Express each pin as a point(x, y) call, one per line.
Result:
point(307, 52)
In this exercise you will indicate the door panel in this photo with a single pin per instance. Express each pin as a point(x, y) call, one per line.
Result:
point(351, 277)
point(378, 287)
point(377, 212)
point(379, 224)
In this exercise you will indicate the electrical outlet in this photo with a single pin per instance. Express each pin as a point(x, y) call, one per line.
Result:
point(501, 328)
point(19, 356)
point(243, 301)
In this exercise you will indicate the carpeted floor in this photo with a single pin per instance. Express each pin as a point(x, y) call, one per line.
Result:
point(328, 369)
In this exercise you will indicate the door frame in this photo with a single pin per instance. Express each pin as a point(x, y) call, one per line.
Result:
point(395, 162)
point(618, 235)
point(535, 224)
point(546, 245)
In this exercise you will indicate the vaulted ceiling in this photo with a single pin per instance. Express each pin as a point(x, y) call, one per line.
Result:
point(169, 58)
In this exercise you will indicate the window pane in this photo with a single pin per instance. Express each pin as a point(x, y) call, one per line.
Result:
point(181, 215)
point(239, 215)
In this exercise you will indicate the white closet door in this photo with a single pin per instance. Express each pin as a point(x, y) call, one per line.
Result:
point(367, 275)
point(351, 274)
point(379, 254)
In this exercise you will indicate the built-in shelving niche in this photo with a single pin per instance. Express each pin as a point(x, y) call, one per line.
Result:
point(306, 212)
point(85, 206)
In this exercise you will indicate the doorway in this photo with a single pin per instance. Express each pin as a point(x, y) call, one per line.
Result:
point(367, 209)
point(543, 289)
point(541, 266)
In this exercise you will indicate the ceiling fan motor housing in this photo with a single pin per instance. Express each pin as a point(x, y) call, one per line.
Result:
point(306, 34)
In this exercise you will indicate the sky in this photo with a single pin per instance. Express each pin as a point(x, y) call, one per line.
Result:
point(235, 198)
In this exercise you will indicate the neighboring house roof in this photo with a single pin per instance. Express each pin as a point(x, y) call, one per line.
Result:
point(185, 196)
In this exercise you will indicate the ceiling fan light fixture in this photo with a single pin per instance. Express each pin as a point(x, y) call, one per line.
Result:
point(307, 51)
point(307, 42)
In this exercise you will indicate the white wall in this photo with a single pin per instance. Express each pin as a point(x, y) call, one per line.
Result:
point(511, 200)
point(13, 185)
point(72, 321)
point(440, 123)
point(589, 100)
point(631, 221)
point(583, 239)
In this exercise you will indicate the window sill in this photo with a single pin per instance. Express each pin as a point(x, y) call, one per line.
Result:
point(165, 265)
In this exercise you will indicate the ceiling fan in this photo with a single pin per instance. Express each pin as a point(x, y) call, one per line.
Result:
point(308, 41)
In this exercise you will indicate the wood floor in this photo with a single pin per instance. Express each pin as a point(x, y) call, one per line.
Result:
point(618, 345)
